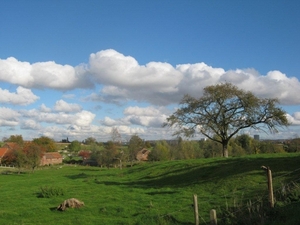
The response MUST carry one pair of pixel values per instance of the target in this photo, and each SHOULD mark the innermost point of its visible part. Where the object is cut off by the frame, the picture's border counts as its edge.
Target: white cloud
(294, 119)
(145, 117)
(30, 125)
(146, 111)
(162, 84)
(121, 78)
(8, 117)
(44, 108)
(81, 119)
(43, 75)
(125, 79)
(22, 96)
(62, 106)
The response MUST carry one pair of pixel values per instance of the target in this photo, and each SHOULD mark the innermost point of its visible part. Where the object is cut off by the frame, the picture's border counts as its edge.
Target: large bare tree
(223, 111)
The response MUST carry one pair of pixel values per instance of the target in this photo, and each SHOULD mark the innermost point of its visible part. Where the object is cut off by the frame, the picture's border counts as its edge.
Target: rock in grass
(70, 203)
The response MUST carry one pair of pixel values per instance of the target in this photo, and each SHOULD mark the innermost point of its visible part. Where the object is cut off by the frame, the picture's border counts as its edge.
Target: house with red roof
(6, 148)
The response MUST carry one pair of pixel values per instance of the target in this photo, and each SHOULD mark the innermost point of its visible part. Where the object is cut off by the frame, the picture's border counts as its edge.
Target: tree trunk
(225, 150)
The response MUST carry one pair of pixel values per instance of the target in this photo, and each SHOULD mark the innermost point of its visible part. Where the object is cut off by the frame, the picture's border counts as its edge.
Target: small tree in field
(33, 155)
(223, 111)
(74, 148)
(135, 144)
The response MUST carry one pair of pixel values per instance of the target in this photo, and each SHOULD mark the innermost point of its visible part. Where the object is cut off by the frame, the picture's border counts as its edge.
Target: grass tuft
(49, 192)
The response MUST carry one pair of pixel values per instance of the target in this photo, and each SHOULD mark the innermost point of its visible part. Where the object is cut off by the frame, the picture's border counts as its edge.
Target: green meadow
(150, 193)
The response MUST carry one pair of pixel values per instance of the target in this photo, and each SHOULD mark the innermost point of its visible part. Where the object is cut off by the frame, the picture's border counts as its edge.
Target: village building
(51, 158)
(6, 148)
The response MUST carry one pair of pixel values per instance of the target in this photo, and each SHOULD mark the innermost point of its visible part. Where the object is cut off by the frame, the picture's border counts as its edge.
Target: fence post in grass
(213, 217)
(270, 185)
(196, 210)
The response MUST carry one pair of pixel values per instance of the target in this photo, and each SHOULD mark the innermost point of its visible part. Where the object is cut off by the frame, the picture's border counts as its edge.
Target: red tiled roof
(11, 145)
(3, 151)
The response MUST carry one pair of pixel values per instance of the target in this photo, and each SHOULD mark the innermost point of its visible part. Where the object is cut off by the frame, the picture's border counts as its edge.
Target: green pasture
(145, 194)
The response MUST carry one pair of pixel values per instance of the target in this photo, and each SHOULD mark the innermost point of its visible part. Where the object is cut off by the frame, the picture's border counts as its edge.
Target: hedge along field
(147, 193)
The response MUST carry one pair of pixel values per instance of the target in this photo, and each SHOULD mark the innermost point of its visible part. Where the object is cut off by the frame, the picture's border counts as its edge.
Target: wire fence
(245, 207)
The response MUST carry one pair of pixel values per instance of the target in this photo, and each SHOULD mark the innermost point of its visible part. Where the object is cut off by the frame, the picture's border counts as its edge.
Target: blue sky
(78, 68)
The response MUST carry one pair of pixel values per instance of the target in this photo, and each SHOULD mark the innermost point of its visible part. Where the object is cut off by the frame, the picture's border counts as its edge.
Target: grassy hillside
(147, 193)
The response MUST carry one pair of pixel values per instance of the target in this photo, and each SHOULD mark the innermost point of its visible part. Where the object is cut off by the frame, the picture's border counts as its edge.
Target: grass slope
(147, 193)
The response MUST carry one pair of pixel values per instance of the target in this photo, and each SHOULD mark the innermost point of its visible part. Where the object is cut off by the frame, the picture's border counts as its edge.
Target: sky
(78, 68)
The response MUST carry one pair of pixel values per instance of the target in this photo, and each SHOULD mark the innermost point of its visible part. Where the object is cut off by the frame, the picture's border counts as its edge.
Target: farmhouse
(7, 147)
(51, 158)
(142, 155)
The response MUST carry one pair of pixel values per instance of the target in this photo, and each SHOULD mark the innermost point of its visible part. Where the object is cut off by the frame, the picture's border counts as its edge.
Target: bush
(48, 192)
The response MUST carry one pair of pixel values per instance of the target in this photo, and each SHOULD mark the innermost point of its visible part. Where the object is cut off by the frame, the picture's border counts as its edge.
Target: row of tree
(28, 154)
(113, 153)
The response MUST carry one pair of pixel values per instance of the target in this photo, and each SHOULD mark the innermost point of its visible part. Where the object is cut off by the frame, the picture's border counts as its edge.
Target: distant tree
(245, 142)
(90, 141)
(160, 152)
(293, 145)
(210, 148)
(270, 147)
(20, 159)
(109, 154)
(189, 149)
(223, 111)
(147, 144)
(106, 156)
(16, 139)
(46, 144)
(74, 147)
(33, 154)
(236, 149)
(135, 144)
(116, 136)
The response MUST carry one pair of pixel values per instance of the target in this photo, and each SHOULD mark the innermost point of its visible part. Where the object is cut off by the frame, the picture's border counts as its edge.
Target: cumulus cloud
(82, 118)
(162, 84)
(121, 78)
(22, 96)
(294, 119)
(8, 117)
(44, 108)
(125, 79)
(43, 75)
(139, 116)
(63, 106)
(30, 125)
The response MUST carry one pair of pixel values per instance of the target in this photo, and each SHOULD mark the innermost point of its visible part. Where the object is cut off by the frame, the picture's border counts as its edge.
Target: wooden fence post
(196, 210)
(213, 217)
(270, 185)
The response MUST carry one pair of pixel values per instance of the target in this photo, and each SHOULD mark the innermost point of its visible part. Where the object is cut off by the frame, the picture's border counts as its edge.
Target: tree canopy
(46, 144)
(135, 144)
(75, 146)
(16, 139)
(223, 111)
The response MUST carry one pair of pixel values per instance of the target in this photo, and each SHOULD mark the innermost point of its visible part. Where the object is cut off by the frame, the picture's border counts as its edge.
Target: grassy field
(145, 194)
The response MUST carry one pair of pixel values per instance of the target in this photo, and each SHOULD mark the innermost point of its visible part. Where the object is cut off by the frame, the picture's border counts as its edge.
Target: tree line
(114, 153)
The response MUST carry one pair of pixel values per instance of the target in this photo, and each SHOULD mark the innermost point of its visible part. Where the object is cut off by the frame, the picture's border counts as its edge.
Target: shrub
(48, 192)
